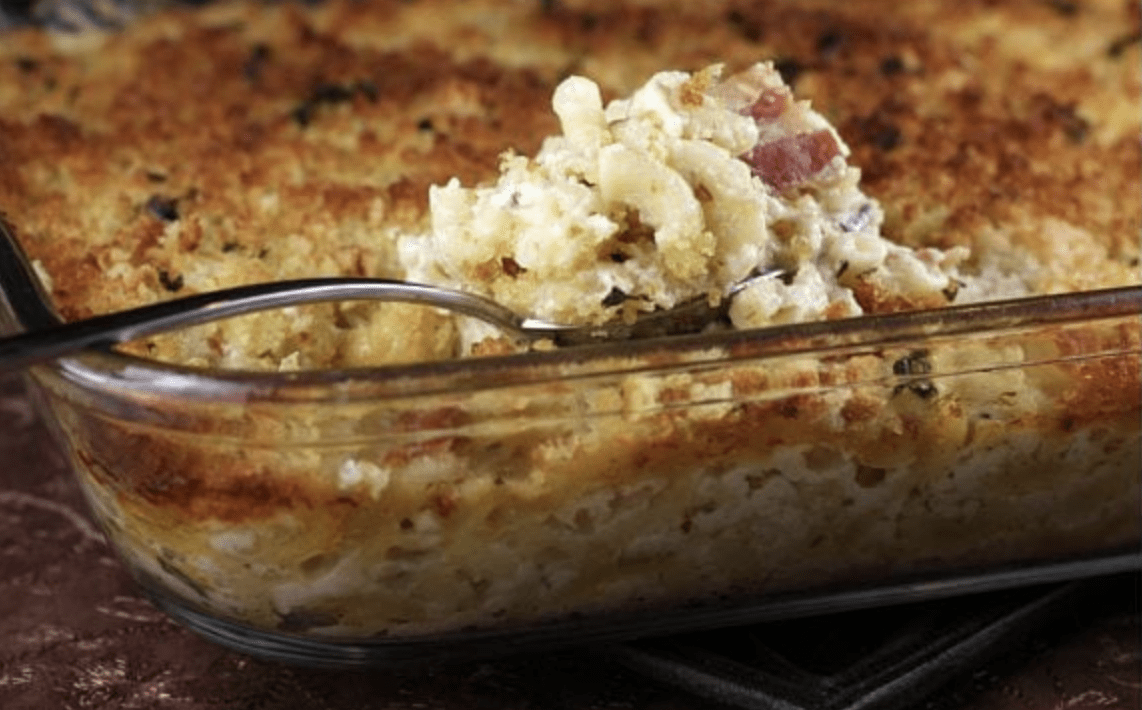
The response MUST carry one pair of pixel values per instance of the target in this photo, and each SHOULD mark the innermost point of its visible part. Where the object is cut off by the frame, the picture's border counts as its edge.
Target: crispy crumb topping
(298, 141)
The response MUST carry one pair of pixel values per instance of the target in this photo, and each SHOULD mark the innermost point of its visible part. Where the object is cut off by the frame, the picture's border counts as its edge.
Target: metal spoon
(18, 284)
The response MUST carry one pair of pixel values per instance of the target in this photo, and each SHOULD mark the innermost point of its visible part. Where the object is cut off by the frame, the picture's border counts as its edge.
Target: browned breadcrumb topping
(273, 142)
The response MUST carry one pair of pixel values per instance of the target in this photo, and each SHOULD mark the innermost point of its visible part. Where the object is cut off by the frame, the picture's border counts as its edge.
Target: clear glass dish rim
(115, 372)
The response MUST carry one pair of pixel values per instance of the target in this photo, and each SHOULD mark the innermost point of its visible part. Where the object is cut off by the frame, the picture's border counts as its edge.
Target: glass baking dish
(482, 506)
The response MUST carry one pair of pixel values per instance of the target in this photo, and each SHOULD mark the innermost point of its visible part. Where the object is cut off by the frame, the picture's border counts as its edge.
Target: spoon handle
(24, 349)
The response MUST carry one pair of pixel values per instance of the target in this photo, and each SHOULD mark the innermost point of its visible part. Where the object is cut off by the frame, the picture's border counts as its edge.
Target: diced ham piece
(790, 161)
(781, 162)
(769, 105)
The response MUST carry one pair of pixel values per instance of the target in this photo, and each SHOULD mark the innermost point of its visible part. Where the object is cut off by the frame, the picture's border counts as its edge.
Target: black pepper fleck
(891, 65)
(789, 69)
(1077, 130)
(1065, 116)
(1066, 8)
(424, 124)
(829, 43)
(328, 94)
(615, 297)
(164, 208)
(877, 129)
(369, 90)
(1120, 45)
(259, 56)
(174, 285)
(749, 29)
(914, 363)
(302, 115)
(886, 137)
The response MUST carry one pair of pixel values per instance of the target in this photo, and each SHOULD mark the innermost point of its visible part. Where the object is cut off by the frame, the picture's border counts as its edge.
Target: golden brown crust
(1009, 128)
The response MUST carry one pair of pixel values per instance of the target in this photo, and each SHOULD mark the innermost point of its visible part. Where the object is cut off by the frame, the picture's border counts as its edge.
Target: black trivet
(880, 659)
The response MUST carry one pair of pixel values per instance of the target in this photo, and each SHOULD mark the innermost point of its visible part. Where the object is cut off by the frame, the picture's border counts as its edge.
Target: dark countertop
(79, 635)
